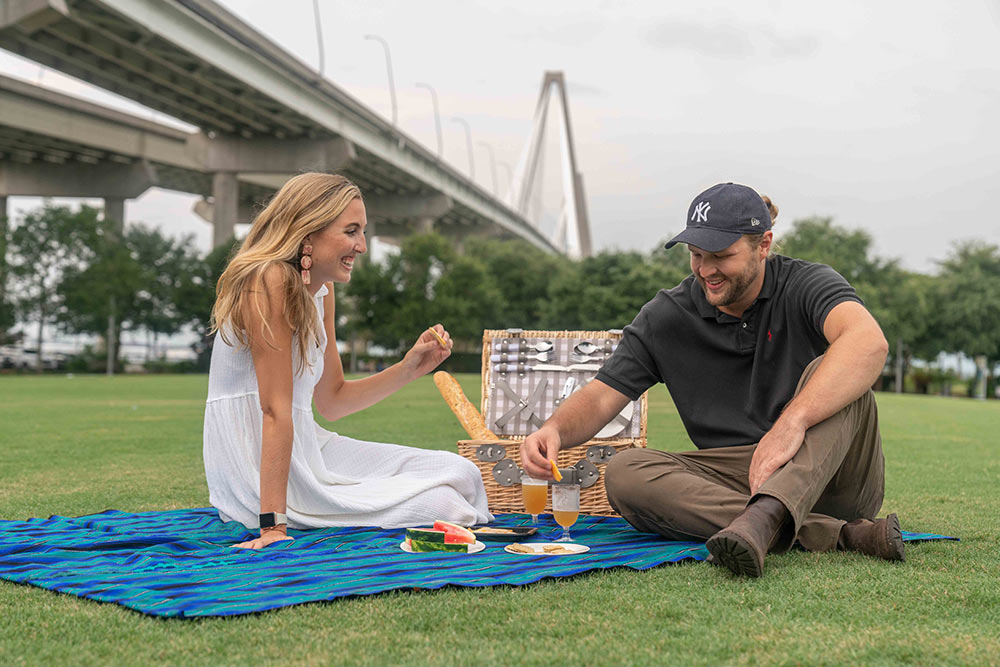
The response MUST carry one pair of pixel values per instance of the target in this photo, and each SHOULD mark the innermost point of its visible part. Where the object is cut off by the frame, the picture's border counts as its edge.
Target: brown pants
(836, 476)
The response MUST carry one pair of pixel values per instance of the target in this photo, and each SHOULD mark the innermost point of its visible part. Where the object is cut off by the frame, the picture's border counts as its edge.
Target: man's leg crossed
(681, 495)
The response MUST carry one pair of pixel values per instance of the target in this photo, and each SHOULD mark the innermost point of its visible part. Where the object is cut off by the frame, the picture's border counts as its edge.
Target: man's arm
(849, 368)
(576, 421)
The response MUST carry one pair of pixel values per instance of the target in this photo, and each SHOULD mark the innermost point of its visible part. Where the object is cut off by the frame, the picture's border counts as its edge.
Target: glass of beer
(565, 507)
(535, 492)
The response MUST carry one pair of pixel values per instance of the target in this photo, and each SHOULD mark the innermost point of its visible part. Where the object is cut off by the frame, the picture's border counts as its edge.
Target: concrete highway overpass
(261, 116)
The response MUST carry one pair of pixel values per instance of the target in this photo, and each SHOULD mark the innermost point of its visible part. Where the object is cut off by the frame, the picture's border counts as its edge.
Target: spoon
(541, 346)
(585, 347)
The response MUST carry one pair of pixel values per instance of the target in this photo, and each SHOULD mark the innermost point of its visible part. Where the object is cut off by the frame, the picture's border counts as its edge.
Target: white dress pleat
(333, 480)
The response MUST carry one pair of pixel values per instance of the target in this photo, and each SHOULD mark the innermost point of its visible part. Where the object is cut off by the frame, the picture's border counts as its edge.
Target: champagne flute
(535, 493)
(565, 507)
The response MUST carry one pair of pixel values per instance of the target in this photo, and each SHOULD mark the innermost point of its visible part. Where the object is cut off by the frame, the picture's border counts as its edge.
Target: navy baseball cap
(719, 216)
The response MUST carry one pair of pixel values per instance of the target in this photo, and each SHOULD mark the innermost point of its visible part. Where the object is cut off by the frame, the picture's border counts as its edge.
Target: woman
(267, 462)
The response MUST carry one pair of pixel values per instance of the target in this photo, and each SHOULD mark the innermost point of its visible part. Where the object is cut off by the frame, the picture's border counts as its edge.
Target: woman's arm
(272, 361)
(336, 397)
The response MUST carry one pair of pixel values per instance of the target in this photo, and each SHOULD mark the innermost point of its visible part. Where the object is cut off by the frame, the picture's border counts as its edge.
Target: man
(769, 361)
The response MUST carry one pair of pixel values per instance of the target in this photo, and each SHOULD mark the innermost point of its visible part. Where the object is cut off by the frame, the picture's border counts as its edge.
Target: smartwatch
(272, 519)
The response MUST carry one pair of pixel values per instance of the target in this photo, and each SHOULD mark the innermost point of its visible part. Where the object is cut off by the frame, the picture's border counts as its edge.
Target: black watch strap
(272, 519)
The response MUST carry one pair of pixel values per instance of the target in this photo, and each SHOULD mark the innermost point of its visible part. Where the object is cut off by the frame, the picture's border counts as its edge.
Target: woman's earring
(306, 262)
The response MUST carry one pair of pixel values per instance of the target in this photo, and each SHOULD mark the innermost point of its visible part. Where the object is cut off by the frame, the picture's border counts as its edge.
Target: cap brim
(706, 238)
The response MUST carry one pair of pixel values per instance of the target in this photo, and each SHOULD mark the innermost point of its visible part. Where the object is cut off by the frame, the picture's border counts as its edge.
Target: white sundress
(333, 480)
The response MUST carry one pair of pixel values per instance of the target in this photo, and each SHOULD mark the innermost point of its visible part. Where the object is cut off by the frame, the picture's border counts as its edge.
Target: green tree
(606, 291)
(969, 280)
(370, 301)
(522, 274)
(467, 300)
(44, 245)
(194, 295)
(168, 266)
(390, 303)
(849, 252)
(7, 315)
(896, 298)
(103, 289)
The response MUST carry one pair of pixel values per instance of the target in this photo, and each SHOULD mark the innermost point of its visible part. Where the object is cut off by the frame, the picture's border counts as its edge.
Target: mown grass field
(80, 445)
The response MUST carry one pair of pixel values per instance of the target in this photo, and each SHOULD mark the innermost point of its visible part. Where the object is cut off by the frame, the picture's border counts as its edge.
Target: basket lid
(528, 374)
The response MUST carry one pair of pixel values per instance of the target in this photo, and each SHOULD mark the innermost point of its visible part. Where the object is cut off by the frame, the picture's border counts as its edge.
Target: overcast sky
(882, 115)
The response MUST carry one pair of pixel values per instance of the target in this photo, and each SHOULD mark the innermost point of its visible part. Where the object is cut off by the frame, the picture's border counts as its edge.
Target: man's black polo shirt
(729, 378)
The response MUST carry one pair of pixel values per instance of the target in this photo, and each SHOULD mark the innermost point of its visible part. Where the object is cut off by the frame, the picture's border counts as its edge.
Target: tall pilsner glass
(565, 507)
(535, 493)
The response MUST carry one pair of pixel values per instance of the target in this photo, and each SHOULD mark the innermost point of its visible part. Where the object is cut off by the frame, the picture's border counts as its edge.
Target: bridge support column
(423, 225)
(225, 192)
(114, 210)
(3, 250)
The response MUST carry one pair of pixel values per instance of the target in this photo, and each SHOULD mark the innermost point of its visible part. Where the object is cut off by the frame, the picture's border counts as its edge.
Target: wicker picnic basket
(526, 374)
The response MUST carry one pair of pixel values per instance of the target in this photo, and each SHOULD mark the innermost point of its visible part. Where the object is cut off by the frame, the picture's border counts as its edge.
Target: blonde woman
(268, 463)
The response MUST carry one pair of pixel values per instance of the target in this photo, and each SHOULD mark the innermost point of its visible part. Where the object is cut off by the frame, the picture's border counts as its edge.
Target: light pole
(493, 166)
(468, 142)
(388, 69)
(437, 117)
(319, 37)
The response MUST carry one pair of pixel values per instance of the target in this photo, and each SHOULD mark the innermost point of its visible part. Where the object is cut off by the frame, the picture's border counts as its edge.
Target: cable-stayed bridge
(260, 115)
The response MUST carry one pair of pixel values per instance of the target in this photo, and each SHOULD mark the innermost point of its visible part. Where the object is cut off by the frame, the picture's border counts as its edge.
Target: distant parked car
(27, 359)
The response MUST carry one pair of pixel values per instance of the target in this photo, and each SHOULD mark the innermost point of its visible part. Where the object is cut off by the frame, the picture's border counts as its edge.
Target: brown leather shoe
(881, 538)
(742, 545)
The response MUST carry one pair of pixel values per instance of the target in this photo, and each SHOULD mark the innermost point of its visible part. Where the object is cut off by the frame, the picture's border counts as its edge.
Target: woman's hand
(427, 353)
(266, 538)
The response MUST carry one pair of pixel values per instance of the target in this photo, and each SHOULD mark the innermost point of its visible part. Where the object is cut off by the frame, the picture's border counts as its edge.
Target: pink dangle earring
(306, 261)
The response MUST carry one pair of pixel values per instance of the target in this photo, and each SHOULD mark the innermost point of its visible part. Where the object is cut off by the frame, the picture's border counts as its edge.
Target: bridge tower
(572, 232)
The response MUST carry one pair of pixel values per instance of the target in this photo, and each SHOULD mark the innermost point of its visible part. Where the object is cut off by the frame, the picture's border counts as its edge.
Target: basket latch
(506, 473)
(587, 473)
(600, 453)
(490, 452)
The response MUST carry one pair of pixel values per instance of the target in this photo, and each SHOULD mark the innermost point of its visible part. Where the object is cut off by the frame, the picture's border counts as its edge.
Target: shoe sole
(894, 538)
(732, 551)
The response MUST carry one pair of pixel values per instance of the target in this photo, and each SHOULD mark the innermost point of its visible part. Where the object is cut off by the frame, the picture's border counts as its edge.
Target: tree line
(69, 269)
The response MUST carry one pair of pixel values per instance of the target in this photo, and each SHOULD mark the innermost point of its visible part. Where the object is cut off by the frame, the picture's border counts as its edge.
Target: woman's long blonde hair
(304, 205)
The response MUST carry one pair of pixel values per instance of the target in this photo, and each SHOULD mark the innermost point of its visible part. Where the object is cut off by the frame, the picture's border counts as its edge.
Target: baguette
(468, 415)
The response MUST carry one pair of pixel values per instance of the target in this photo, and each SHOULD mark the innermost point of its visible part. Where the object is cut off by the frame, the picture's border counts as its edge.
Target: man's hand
(537, 449)
(774, 450)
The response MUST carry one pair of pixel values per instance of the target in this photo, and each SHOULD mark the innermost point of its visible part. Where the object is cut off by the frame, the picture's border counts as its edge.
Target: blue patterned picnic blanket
(180, 563)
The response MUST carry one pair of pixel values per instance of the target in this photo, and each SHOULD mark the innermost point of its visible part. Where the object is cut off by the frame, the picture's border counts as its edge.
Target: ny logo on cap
(701, 212)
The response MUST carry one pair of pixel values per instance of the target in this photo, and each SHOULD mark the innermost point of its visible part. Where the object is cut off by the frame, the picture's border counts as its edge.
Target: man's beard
(736, 287)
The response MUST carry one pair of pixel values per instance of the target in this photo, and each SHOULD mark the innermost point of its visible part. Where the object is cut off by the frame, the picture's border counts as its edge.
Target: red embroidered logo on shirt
(769, 335)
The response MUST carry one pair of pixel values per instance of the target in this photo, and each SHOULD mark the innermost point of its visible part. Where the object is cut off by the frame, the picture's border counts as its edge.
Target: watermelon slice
(426, 535)
(455, 534)
(418, 546)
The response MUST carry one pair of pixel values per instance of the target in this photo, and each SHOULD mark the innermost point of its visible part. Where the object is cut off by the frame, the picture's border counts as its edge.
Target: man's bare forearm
(585, 413)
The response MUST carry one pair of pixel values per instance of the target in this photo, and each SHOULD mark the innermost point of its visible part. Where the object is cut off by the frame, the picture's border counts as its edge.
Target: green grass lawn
(79, 445)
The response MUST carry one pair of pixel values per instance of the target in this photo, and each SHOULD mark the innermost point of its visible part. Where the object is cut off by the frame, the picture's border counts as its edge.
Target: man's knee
(621, 474)
(630, 473)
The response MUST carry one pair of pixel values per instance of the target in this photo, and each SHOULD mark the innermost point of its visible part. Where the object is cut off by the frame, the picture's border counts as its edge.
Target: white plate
(539, 548)
(474, 549)
(616, 426)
